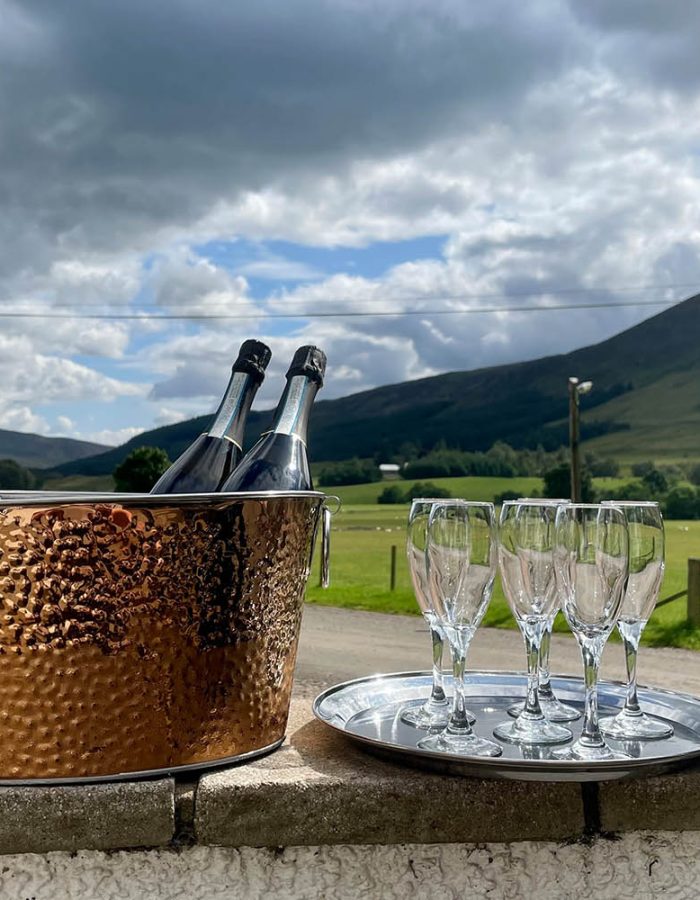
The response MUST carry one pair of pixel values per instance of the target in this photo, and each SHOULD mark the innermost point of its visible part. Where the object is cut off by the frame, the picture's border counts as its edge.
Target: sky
(437, 162)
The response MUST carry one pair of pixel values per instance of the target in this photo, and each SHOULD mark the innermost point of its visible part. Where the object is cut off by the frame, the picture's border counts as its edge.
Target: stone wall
(636, 866)
(321, 818)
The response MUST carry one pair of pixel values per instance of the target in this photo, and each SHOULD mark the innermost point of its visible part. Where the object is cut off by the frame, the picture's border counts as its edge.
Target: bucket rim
(13, 499)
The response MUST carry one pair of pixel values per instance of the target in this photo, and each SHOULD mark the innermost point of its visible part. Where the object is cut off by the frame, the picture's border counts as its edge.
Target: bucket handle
(326, 516)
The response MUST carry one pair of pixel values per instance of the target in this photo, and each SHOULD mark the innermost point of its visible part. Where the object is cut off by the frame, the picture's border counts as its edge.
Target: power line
(496, 295)
(196, 317)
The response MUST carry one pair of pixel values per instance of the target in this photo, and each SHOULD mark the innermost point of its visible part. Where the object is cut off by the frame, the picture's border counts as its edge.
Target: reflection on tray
(369, 710)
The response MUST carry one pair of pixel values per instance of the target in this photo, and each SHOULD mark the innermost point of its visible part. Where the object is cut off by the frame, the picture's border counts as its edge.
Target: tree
(14, 477)
(499, 499)
(640, 469)
(682, 502)
(392, 494)
(694, 474)
(632, 490)
(655, 481)
(408, 451)
(601, 466)
(426, 489)
(557, 483)
(349, 471)
(141, 469)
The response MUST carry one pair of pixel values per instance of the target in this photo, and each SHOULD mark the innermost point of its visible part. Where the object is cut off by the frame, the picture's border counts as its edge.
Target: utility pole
(576, 388)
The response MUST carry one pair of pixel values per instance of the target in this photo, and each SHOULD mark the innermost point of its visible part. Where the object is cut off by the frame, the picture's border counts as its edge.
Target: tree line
(676, 487)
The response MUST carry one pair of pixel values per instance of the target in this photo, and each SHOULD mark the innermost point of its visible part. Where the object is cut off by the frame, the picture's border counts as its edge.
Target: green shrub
(655, 482)
(633, 490)
(682, 502)
(557, 483)
(14, 477)
(601, 466)
(392, 494)
(506, 495)
(141, 469)
(349, 471)
(426, 489)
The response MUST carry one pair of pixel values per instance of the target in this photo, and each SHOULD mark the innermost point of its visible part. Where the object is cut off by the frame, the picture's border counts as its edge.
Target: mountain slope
(172, 438)
(35, 450)
(645, 403)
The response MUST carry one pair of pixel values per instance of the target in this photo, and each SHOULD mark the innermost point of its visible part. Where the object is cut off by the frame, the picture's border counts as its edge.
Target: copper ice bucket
(141, 633)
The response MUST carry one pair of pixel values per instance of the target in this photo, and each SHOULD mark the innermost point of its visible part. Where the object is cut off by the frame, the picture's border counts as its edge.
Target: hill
(172, 438)
(36, 450)
(645, 404)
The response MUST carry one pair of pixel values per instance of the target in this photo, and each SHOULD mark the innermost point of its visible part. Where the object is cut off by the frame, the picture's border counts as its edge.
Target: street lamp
(576, 388)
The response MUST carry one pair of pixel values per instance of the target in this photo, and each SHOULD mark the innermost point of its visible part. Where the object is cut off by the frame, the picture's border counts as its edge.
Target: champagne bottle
(278, 462)
(209, 460)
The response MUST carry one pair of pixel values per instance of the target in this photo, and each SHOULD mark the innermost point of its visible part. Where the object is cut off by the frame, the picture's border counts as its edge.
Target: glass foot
(589, 753)
(633, 749)
(554, 710)
(532, 731)
(430, 716)
(464, 744)
(536, 751)
(626, 727)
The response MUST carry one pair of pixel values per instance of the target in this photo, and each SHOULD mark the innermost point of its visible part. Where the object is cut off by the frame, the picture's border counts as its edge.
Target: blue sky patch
(274, 264)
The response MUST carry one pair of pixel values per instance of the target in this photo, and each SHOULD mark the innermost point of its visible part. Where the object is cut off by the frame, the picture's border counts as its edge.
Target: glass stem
(631, 632)
(438, 692)
(591, 651)
(459, 721)
(545, 688)
(532, 632)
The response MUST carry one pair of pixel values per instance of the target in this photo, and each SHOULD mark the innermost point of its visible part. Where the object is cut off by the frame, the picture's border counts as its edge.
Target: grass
(364, 532)
(471, 488)
(664, 418)
(97, 483)
(360, 568)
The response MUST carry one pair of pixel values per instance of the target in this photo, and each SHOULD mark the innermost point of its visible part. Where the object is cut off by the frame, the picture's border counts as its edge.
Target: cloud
(21, 418)
(65, 424)
(218, 101)
(30, 378)
(554, 143)
(110, 437)
(181, 280)
(272, 267)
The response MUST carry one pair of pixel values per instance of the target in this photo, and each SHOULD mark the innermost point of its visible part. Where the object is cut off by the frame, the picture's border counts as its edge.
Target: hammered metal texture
(139, 636)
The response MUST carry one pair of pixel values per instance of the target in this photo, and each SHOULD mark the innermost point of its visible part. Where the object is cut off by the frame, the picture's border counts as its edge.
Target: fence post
(392, 577)
(694, 591)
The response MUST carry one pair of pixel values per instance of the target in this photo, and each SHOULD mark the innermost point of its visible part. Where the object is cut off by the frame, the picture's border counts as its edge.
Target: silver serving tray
(367, 710)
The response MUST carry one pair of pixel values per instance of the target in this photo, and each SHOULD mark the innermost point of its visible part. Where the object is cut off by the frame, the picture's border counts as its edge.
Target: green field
(469, 487)
(361, 544)
(364, 532)
(79, 483)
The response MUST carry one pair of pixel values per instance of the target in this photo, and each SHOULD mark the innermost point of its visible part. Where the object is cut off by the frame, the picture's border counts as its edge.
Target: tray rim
(492, 765)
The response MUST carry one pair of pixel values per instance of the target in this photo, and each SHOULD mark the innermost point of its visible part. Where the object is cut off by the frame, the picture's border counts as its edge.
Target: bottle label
(231, 404)
(294, 404)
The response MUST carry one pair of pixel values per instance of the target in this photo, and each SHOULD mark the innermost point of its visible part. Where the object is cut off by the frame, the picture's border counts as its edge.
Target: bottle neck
(233, 410)
(292, 413)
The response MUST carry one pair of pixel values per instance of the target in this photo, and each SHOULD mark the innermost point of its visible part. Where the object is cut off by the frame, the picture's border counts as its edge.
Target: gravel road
(339, 644)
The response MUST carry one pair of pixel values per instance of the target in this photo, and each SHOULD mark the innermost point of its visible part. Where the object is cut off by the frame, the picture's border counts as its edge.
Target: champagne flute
(592, 564)
(434, 713)
(526, 553)
(554, 710)
(646, 550)
(461, 559)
